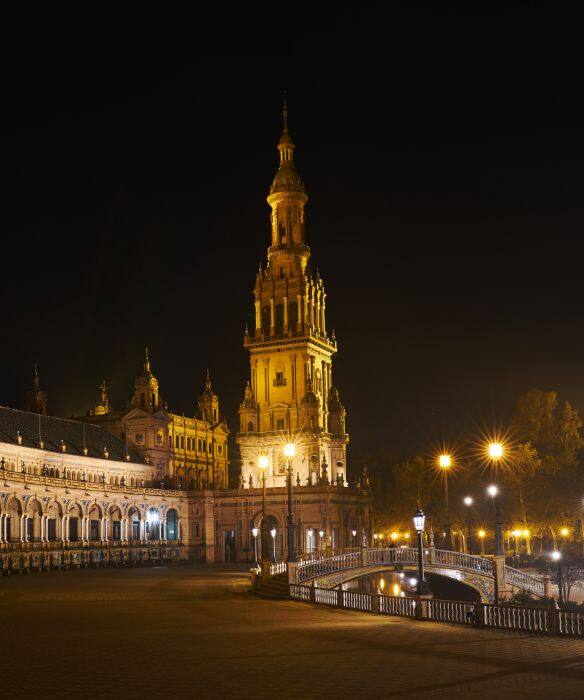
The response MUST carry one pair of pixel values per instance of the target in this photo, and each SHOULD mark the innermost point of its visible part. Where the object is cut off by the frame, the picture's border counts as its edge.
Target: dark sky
(445, 216)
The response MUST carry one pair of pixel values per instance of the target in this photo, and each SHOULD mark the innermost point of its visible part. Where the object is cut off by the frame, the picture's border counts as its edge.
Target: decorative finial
(285, 113)
(36, 380)
(208, 381)
(146, 361)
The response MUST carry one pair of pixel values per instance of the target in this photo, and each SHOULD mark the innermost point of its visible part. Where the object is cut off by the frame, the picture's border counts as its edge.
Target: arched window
(292, 315)
(172, 525)
(266, 320)
(279, 321)
(182, 442)
(250, 427)
(204, 445)
(200, 445)
(176, 442)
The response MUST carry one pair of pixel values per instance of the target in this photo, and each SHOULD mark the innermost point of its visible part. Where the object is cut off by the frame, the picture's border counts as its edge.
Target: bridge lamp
(263, 462)
(394, 536)
(396, 589)
(493, 491)
(482, 534)
(556, 557)
(382, 583)
(564, 532)
(321, 536)
(413, 582)
(468, 501)
(419, 521)
(354, 533)
(445, 462)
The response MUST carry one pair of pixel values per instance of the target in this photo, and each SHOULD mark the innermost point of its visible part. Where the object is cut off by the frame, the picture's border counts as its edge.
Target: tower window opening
(282, 233)
(280, 424)
(250, 427)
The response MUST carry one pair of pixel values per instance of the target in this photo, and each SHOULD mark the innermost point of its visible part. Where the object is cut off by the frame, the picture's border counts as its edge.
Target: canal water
(403, 583)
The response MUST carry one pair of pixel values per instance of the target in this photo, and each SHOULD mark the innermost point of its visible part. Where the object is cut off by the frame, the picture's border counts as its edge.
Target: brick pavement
(195, 632)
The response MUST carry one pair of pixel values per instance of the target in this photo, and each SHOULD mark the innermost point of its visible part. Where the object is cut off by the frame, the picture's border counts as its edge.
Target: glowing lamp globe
(444, 461)
(273, 532)
(556, 556)
(289, 449)
(492, 490)
(495, 450)
(263, 461)
(254, 531)
(468, 501)
(419, 520)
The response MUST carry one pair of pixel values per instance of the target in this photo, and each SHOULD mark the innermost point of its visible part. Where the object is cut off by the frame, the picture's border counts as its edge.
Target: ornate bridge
(480, 573)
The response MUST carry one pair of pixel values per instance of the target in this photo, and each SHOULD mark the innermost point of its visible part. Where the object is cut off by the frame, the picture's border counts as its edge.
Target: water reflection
(403, 583)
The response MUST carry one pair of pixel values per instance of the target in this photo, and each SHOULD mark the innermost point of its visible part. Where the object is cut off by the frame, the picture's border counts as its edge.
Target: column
(258, 318)
(5, 528)
(23, 528)
(178, 528)
(42, 528)
(142, 529)
(322, 314)
(272, 317)
(317, 310)
(285, 300)
(163, 529)
(64, 533)
(299, 317)
(2, 516)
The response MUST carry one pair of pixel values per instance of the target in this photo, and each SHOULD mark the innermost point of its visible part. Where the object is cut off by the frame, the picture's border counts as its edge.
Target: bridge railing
(521, 618)
(321, 567)
(527, 582)
(278, 567)
(458, 560)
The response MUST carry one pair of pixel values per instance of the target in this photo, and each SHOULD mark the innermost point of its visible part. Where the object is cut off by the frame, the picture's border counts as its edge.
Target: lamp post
(468, 501)
(320, 535)
(254, 532)
(482, 535)
(419, 519)
(445, 462)
(354, 533)
(557, 557)
(273, 534)
(310, 533)
(263, 463)
(289, 452)
(493, 492)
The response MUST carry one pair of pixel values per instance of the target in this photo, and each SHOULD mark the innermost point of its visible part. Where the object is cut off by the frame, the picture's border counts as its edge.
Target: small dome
(287, 179)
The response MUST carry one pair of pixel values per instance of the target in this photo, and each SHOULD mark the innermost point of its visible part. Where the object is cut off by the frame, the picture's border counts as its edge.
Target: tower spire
(146, 361)
(208, 380)
(36, 382)
(285, 113)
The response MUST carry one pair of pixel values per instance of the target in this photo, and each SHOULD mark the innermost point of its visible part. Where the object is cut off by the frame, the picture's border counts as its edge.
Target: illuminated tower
(290, 390)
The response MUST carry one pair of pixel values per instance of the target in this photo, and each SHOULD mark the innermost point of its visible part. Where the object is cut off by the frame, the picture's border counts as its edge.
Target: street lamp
(419, 520)
(557, 557)
(354, 533)
(482, 534)
(254, 532)
(310, 533)
(493, 491)
(445, 462)
(273, 534)
(468, 501)
(263, 463)
(320, 535)
(289, 452)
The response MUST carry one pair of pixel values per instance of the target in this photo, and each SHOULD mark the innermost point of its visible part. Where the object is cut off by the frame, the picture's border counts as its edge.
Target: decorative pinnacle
(35, 379)
(208, 381)
(146, 361)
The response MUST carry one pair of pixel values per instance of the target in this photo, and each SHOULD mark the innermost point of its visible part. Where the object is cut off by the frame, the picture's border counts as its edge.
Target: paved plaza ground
(195, 632)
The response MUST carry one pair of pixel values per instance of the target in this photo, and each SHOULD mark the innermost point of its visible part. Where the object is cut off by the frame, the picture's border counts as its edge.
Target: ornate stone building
(71, 494)
(291, 391)
(187, 451)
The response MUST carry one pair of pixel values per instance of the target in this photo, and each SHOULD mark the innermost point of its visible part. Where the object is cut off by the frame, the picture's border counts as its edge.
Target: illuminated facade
(290, 390)
(190, 451)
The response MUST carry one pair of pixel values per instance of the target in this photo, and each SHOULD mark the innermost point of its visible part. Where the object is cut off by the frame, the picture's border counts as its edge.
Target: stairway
(276, 587)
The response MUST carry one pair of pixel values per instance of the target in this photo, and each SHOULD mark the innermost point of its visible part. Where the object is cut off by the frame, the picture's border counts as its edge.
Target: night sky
(445, 216)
